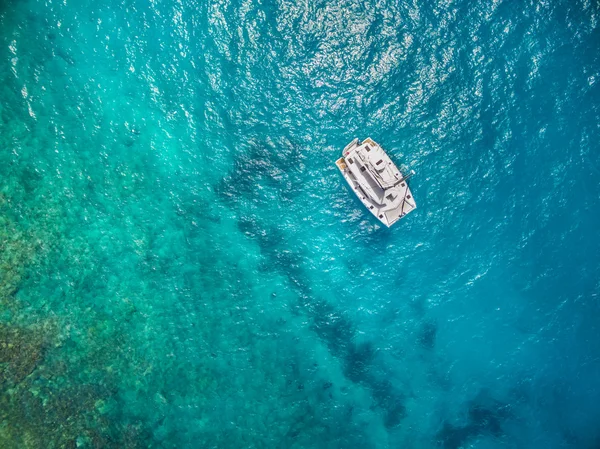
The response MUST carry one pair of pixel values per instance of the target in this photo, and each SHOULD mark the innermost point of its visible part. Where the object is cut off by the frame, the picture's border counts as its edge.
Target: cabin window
(350, 160)
(408, 196)
(363, 168)
(381, 216)
(403, 185)
(367, 148)
(379, 162)
(390, 197)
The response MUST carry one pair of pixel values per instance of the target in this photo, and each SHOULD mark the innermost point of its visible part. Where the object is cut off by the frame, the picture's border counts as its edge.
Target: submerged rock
(21, 350)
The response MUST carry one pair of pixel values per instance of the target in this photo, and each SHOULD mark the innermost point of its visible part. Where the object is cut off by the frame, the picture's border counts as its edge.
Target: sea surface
(182, 265)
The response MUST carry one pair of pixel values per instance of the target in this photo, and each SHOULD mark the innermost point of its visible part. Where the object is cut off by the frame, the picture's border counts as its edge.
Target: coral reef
(21, 350)
(56, 379)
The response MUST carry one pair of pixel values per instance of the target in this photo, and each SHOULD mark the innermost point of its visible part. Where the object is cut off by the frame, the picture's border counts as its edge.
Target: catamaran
(376, 181)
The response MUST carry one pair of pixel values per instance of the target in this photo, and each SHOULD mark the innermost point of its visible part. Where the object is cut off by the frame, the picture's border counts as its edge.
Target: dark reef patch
(358, 360)
(427, 335)
(485, 416)
(390, 401)
(264, 164)
(16, 252)
(21, 350)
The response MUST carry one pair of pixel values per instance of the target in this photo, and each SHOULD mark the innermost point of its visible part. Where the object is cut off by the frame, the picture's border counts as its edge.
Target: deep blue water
(182, 266)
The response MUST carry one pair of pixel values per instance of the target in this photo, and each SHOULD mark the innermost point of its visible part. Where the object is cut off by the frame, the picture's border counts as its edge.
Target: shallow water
(183, 266)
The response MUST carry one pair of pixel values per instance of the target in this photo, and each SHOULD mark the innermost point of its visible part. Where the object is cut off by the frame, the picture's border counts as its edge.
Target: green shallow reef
(45, 400)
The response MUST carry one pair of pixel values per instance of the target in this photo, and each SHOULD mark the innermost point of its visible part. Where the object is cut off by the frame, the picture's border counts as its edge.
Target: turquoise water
(182, 266)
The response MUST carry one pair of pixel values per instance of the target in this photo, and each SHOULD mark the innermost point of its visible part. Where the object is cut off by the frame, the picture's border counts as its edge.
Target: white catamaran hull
(376, 181)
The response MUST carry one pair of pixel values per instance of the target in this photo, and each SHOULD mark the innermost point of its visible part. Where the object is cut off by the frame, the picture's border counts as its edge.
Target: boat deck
(376, 181)
(341, 163)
